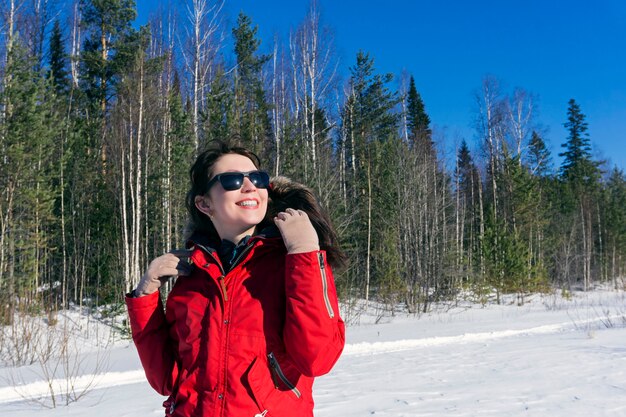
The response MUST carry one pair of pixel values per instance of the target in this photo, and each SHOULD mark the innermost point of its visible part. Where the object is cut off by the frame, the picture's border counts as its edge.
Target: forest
(100, 120)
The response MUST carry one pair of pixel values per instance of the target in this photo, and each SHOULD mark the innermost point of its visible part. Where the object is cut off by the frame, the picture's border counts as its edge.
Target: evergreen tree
(28, 175)
(506, 259)
(252, 120)
(578, 167)
(370, 123)
(369, 113)
(249, 65)
(58, 60)
(218, 117)
(469, 206)
(539, 159)
(580, 176)
(417, 120)
(108, 28)
(466, 169)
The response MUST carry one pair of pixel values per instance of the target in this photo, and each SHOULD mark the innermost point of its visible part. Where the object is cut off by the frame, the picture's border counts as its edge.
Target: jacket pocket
(278, 375)
(277, 398)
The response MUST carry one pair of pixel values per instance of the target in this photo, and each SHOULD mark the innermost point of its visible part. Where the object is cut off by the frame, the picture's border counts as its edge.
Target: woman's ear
(203, 205)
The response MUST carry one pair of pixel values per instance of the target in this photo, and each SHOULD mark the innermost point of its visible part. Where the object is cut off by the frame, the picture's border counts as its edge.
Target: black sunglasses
(232, 181)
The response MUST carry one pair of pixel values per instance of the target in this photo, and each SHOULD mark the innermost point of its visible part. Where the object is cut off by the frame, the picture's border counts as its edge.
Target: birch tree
(491, 130)
(315, 66)
(519, 113)
(205, 40)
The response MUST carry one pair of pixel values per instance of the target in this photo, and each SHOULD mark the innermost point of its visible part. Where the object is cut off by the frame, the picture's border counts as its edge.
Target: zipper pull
(261, 414)
(321, 258)
(223, 286)
(273, 369)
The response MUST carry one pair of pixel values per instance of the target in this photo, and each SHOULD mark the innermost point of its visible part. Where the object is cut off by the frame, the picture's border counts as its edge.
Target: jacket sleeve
(314, 334)
(154, 345)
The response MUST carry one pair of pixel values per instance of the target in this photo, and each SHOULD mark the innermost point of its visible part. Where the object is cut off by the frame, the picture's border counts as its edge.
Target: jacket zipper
(222, 279)
(279, 372)
(331, 313)
(223, 287)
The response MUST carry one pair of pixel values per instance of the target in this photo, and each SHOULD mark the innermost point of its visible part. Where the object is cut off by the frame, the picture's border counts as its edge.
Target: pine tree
(368, 113)
(108, 27)
(417, 120)
(580, 176)
(539, 159)
(506, 259)
(427, 187)
(251, 107)
(469, 206)
(578, 167)
(58, 60)
(218, 116)
(28, 175)
(370, 123)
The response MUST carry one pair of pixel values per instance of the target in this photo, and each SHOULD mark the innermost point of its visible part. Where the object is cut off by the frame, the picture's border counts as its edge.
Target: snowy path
(366, 348)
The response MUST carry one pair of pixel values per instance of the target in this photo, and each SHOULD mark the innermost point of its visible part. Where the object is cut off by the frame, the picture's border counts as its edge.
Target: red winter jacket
(242, 343)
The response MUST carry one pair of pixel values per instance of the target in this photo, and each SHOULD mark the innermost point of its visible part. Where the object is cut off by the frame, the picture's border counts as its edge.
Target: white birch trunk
(125, 238)
(204, 20)
(275, 110)
(137, 209)
(369, 233)
(75, 36)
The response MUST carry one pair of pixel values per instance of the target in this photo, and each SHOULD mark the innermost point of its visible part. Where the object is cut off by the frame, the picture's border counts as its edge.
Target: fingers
(290, 213)
(169, 265)
(297, 231)
(183, 266)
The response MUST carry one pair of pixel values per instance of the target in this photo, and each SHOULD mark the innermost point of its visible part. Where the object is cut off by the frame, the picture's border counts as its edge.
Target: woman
(253, 316)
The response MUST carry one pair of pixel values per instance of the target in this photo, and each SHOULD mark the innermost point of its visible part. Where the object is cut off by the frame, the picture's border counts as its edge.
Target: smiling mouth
(248, 203)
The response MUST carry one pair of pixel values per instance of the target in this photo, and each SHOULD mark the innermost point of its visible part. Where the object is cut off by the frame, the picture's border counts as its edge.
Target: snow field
(550, 357)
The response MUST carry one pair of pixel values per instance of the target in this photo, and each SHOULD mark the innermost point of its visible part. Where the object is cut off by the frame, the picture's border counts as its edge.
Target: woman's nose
(247, 185)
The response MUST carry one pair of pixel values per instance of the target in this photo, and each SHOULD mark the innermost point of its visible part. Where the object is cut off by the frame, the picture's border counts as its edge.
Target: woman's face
(236, 213)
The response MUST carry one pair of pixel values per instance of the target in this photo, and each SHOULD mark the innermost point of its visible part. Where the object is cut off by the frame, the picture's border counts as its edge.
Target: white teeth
(248, 203)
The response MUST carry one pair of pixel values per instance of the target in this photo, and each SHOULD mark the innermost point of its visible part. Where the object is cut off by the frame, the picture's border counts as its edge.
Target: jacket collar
(211, 245)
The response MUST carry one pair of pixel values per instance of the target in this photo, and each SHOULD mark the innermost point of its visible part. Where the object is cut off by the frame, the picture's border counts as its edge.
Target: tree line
(100, 120)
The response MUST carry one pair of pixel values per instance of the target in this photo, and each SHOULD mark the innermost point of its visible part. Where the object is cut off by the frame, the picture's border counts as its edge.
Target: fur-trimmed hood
(285, 193)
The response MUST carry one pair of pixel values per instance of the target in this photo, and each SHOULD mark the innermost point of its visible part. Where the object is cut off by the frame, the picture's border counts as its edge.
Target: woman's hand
(160, 269)
(297, 231)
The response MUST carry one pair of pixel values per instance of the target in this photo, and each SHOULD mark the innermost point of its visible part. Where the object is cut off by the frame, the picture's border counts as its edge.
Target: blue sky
(555, 50)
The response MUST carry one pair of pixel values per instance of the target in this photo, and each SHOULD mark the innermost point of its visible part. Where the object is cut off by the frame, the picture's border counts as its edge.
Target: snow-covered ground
(550, 357)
